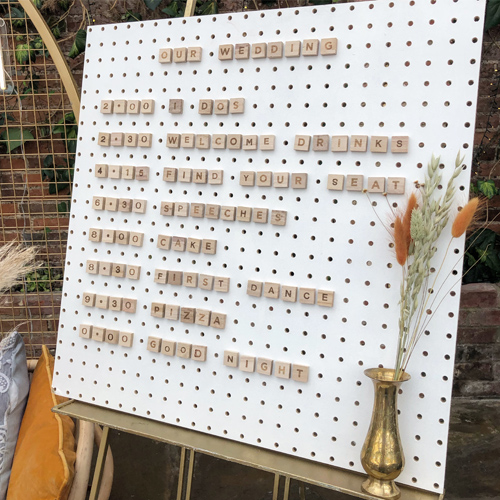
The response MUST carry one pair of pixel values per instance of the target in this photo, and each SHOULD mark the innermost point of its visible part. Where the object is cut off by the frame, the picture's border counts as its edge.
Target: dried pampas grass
(464, 218)
(15, 262)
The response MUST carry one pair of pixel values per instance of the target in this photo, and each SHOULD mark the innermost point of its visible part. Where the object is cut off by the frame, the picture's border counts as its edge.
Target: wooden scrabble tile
(328, 46)
(136, 239)
(88, 299)
(202, 141)
(101, 170)
(92, 267)
(107, 106)
(114, 171)
(215, 177)
(300, 373)
(172, 312)
(130, 139)
(281, 179)
(165, 55)
(128, 172)
(194, 54)
(118, 270)
(183, 350)
(198, 210)
(168, 347)
(302, 143)
(242, 51)
(299, 181)
(111, 336)
(120, 106)
(161, 276)
(209, 246)
(190, 280)
(179, 243)
(142, 173)
(157, 310)
(176, 106)
(325, 298)
(206, 107)
(167, 208)
(275, 50)
(218, 320)
(86, 331)
(200, 175)
(202, 317)
(193, 245)
(310, 47)
(95, 235)
(206, 282)
(234, 141)
(180, 55)
(226, 52)
(133, 107)
(125, 205)
(154, 344)
(164, 242)
(115, 303)
(271, 290)
(340, 143)
(289, 293)
(133, 272)
(260, 215)
(231, 359)
(244, 214)
(354, 183)
(98, 202)
(264, 366)
(219, 141)
(282, 369)
(122, 237)
(105, 268)
(181, 209)
(335, 182)
(254, 288)
(399, 144)
(278, 217)
(376, 184)
(396, 185)
(199, 353)
(237, 105)
(221, 106)
(378, 144)
(247, 363)
(266, 142)
(359, 143)
(170, 174)
(173, 141)
(188, 141)
(139, 206)
(187, 314)
(102, 301)
(250, 142)
(307, 295)
(98, 333)
(221, 284)
(111, 204)
(259, 50)
(292, 48)
(212, 211)
(126, 339)
(228, 213)
(264, 179)
(320, 142)
(144, 140)
(129, 306)
(108, 236)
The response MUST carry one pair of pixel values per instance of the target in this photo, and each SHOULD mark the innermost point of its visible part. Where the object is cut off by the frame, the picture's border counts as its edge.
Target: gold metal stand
(191, 442)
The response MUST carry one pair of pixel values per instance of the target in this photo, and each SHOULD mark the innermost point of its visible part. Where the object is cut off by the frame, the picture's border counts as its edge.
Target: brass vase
(382, 454)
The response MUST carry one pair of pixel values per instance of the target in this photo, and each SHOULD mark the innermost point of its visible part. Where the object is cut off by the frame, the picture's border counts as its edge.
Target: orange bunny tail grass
(412, 203)
(400, 241)
(464, 218)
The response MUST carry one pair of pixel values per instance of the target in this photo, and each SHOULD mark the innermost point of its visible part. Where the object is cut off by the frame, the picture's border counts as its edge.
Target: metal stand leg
(99, 466)
(276, 486)
(286, 493)
(302, 490)
(185, 494)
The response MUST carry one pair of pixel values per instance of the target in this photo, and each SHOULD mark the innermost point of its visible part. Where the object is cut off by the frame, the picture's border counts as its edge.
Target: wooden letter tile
(199, 352)
(180, 55)
(321, 142)
(328, 46)
(164, 242)
(92, 267)
(254, 288)
(86, 331)
(118, 270)
(181, 209)
(275, 50)
(244, 214)
(115, 303)
(292, 48)
(161, 276)
(219, 141)
(247, 363)
(170, 174)
(202, 317)
(228, 213)
(111, 336)
(281, 179)
(299, 181)
(340, 143)
(206, 107)
(173, 141)
(95, 234)
(237, 105)
(200, 176)
(325, 298)
(187, 314)
(242, 51)
(172, 312)
(139, 206)
(264, 179)
(188, 141)
(136, 239)
(335, 182)
(179, 244)
(129, 306)
(104, 139)
(133, 107)
(190, 280)
(282, 369)
(218, 320)
(226, 52)
(266, 142)
(359, 143)
(98, 333)
(221, 284)
(212, 211)
(126, 339)
(194, 54)
(215, 177)
(310, 47)
(231, 359)
(396, 185)
(125, 205)
(165, 55)
(259, 50)
(260, 215)
(221, 106)
(194, 245)
(271, 290)
(98, 202)
(354, 183)
(302, 143)
(112, 204)
(176, 106)
(300, 373)
(264, 366)
(157, 310)
(88, 299)
(376, 184)
(133, 272)
(108, 236)
(198, 210)
(128, 173)
(167, 208)
(141, 173)
(130, 140)
(289, 293)
(167, 347)
(307, 295)
(206, 282)
(175, 278)
(203, 141)
(120, 106)
(399, 144)
(278, 217)
(144, 140)
(154, 344)
(209, 246)
(122, 237)
(101, 170)
(183, 350)
(107, 106)
(105, 268)
(378, 144)
(234, 141)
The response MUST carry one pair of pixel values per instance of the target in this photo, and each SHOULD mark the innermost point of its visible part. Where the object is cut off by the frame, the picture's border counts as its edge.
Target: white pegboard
(402, 69)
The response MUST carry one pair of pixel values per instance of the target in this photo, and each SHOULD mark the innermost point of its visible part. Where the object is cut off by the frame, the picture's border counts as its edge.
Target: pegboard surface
(145, 211)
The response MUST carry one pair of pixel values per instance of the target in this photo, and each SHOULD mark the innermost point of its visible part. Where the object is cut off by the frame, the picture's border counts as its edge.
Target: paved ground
(147, 470)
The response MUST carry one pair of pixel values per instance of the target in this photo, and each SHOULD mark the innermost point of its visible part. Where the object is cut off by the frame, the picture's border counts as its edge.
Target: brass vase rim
(386, 375)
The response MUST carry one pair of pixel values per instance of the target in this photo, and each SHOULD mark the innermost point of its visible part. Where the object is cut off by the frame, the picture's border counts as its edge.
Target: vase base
(381, 488)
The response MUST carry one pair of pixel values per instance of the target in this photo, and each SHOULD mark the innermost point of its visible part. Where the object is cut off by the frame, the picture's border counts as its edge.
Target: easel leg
(99, 466)
(180, 481)
(287, 488)
(302, 490)
(276, 486)
(190, 475)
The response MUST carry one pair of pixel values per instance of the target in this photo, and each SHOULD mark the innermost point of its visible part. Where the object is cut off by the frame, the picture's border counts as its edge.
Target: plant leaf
(152, 4)
(15, 137)
(22, 53)
(492, 14)
(37, 3)
(79, 44)
(487, 188)
(208, 8)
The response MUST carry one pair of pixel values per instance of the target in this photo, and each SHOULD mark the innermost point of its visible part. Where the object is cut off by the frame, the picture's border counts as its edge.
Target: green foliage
(203, 8)
(44, 279)
(23, 53)
(130, 17)
(486, 188)
(492, 14)
(37, 3)
(17, 17)
(68, 128)
(152, 4)
(207, 8)
(482, 257)
(79, 44)
(175, 9)
(12, 138)
(59, 177)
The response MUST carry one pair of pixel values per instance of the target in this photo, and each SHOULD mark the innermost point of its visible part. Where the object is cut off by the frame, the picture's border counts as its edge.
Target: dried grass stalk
(400, 241)
(412, 204)
(15, 262)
